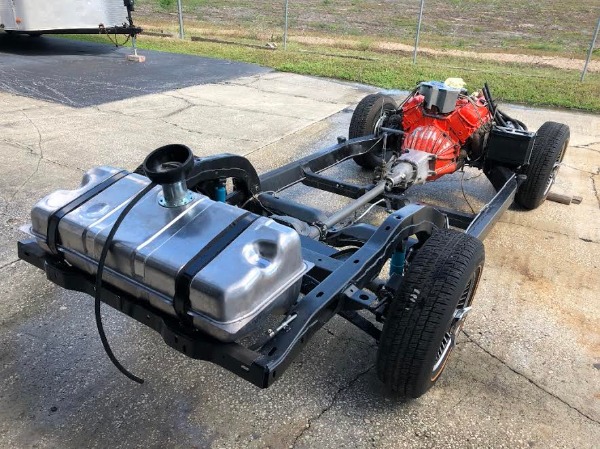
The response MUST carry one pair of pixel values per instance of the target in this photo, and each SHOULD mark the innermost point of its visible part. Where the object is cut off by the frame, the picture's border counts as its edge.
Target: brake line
(98, 292)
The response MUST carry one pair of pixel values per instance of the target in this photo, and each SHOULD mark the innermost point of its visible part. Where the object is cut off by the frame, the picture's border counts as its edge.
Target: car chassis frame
(332, 286)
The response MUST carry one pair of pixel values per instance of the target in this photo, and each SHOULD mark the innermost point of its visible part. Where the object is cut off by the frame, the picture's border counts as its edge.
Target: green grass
(554, 27)
(546, 46)
(516, 83)
(171, 5)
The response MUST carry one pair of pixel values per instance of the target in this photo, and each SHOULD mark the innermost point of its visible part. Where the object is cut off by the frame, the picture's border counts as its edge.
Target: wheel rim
(555, 168)
(379, 122)
(463, 308)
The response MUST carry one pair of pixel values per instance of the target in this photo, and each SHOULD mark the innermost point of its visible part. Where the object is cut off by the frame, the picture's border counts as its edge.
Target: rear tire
(364, 120)
(548, 152)
(428, 312)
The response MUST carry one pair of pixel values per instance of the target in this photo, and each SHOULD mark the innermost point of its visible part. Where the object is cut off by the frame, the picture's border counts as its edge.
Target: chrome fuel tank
(259, 272)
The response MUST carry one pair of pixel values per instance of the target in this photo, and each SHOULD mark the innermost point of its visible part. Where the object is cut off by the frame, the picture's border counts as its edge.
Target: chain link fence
(548, 28)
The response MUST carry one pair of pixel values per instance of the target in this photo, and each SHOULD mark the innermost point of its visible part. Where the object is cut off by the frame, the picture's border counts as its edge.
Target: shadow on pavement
(24, 45)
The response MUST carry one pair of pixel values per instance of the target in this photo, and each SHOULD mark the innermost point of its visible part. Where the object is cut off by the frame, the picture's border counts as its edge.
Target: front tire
(364, 120)
(428, 312)
(548, 152)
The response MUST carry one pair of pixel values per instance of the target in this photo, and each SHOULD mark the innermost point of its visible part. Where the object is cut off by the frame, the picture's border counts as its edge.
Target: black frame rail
(331, 287)
(339, 289)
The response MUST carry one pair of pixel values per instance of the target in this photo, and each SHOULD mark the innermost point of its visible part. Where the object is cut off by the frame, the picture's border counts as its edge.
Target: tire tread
(361, 125)
(546, 150)
(413, 330)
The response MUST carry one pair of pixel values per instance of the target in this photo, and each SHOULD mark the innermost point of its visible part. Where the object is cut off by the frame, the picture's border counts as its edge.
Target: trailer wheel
(428, 312)
(548, 152)
(364, 121)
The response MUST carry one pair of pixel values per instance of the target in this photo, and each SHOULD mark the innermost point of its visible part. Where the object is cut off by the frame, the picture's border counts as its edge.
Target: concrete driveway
(525, 374)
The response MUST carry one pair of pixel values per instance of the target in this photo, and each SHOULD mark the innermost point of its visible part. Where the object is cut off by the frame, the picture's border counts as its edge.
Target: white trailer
(37, 17)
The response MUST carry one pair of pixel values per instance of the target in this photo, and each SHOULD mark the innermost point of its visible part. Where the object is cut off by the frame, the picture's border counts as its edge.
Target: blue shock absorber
(398, 258)
(220, 191)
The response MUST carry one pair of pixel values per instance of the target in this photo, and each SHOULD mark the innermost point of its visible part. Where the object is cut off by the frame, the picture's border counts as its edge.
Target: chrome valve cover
(258, 273)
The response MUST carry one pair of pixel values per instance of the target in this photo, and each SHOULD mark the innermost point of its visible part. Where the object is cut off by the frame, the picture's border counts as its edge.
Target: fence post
(285, 26)
(590, 51)
(180, 11)
(418, 32)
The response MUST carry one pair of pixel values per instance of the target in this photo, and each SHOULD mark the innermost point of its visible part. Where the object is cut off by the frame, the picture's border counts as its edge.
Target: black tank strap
(183, 280)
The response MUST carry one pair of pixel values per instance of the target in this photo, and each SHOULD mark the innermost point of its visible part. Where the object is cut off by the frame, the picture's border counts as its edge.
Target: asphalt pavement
(82, 74)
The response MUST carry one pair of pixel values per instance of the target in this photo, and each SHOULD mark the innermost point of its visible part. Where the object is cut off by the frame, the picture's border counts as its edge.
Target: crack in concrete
(551, 232)
(221, 107)
(30, 150)
(291, 133)
(177, 111)
(179, 97)
(531, 381)
(18, 144)
(578, 169)
(8, 264)
(275, 92)
(587, 146)
(349, 339)
(37, 166)
(41, 158)
(202, 133)
(583, 239)
(203, 103)
(206, 103)
(52, 161)
(163, 119)
(331, 403)
(537, 229)
(594, 188)
(188, 105)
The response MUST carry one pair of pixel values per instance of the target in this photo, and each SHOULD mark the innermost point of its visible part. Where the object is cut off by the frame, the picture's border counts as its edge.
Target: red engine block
(442, 135)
